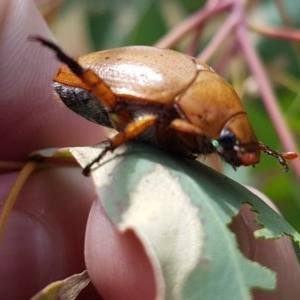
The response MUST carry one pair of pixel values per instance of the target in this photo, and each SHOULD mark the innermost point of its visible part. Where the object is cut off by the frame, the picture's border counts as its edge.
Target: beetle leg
(97, 86)
(130, 132)
(191, 135)
(185, 127)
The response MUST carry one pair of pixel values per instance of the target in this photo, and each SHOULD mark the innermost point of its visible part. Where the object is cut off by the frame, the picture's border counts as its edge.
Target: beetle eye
(227, 139)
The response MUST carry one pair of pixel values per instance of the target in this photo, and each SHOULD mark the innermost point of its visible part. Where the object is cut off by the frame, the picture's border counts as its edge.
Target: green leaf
(50, 153)
(180, 210)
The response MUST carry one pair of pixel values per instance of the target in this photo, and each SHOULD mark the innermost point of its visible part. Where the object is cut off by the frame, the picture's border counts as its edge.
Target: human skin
(44, 239)
(47, 237)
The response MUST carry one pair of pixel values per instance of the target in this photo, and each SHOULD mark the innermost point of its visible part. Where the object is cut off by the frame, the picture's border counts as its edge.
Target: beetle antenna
(281, 156)
(70, 62)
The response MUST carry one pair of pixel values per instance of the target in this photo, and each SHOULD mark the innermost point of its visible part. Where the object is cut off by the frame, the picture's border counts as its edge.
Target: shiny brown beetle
(163, 97)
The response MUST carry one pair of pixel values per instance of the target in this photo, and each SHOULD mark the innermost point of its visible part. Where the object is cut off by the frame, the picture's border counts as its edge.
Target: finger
(44, 237)
(30, 117)
(117, 263)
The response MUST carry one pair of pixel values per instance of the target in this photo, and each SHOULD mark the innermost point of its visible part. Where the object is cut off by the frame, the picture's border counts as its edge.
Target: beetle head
(234, 152)
(237, 142)
(238, 145)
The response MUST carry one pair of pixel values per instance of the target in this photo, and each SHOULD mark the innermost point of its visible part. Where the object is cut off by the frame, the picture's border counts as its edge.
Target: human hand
(45, 236)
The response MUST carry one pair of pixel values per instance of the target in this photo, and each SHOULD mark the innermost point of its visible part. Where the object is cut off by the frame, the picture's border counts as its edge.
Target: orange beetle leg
(97, 86)
(185, 127)
(281, 157)
(132, 130)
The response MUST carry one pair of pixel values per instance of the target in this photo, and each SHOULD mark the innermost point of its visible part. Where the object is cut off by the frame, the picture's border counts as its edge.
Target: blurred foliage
(115, 22)
(111, 23)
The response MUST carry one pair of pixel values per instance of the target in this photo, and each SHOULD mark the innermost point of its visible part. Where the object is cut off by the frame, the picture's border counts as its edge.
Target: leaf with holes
(180, 210)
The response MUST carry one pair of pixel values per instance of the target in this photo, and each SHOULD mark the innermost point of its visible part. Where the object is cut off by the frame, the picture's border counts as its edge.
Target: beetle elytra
(163, 97)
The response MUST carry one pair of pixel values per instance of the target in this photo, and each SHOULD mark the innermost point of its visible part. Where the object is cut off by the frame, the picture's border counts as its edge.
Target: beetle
(160, 96)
